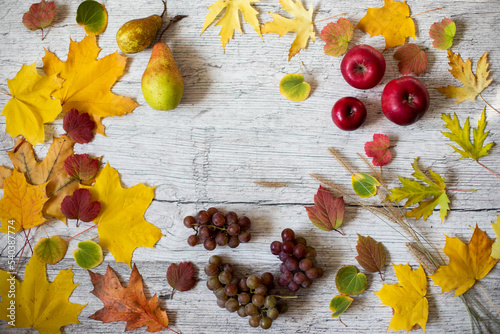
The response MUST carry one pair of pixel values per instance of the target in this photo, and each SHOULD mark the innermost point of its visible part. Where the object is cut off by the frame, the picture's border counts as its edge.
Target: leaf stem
(331, 17)
(1, 91)
(91, 227)
(489, 105)
(21, 255)
(489, 170)
(381, 277)
(27, 240)
(427, 11)
(342, 233)
(480, 286)
(285, 297)
(170, 329)
(463, 190)
(342, 322)
(172, 294)
(439, 294)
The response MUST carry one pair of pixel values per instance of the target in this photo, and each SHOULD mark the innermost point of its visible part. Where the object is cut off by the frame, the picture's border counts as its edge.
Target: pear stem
(176, 18)
(164, 8)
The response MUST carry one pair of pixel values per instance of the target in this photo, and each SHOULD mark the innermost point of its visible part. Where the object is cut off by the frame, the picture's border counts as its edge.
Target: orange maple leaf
(21, 205)
(88, 81)
(127, 304)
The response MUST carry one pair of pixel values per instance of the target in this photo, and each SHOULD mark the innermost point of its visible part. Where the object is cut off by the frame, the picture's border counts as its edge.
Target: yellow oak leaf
(302, 24)
(31, 105)
(230, 21)
(473, 84)
(120, 223)
(35, 302)
(87, 81)
(407, 298)
(468, 263)
(392, 21)
(49, 171)
(21, 205)
(495, 249)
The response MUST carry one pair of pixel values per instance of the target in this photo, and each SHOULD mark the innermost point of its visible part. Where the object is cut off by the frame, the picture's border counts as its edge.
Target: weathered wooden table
(233, 127)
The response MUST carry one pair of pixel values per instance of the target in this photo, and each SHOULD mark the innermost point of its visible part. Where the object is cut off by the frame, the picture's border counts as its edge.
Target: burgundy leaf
(82, 166)
(80, 207)
(371, 254)
(40, 15)
(327, 213)
(79, 126)
(378, 149)
(411, 59)
(181, 276)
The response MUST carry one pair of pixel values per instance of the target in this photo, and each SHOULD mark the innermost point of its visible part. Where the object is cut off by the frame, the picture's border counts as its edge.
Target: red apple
(348, 113)
(363, 67)
(405, 100)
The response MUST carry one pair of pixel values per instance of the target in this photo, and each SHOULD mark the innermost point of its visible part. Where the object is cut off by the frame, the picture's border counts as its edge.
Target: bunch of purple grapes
(216, 228)
(298, 267)
(250, 296)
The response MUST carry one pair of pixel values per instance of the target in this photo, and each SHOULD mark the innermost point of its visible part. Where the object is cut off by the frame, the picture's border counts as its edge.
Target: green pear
(162, 84)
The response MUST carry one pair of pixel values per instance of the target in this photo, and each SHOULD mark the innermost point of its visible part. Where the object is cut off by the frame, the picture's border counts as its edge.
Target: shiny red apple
(405, 100)
(363, 67)
(348, 113)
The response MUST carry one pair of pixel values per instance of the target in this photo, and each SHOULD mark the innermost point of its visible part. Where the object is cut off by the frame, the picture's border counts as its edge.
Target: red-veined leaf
(378, 149)
(79, 126)
(371, 254)
(327, 213)
(80, 207)
(411, 59)
(337, 36)
(181, 276)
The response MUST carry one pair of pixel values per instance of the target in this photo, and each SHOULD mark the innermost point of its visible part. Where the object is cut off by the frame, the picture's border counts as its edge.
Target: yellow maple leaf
(31, 105)
(495, 248)
(407, 298)
(49, 171)
(473, 84)
(4, 173)
(302, 24)
(468, 263)
(230, 21)
(87, 81)
(21, 205)
(392, 21)
(37, 303)
(120, 223)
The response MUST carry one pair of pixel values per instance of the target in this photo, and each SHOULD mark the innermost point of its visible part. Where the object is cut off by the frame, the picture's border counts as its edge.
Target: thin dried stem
(439, 294)
(271, 184)
(21, 255)
(164, 8)
(489, 170)
(91, 227)
(341, 322)
(1, 91)
(27, 240)
(489, 105)
(329, 184)
(339, 159)
(328, 18)
(491, 302)
(427, 11)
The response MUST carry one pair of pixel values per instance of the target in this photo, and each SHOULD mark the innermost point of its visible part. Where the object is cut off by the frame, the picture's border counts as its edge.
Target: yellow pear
(162, 84)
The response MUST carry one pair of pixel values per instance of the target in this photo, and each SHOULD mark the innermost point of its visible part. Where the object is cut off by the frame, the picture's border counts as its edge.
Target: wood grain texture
(233, 127)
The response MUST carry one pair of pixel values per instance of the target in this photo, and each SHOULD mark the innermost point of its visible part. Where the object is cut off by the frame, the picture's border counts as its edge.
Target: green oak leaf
(339, 304)
(92, 16)
(50, 250)
(364, 185)
(88, 254)
(349, 281)
(293, 87)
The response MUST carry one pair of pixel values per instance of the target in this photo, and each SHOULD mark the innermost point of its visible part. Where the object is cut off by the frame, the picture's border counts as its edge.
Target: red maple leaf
(181, 277)
(80, 207)
(411, 59)
(378, 149)
(39, 16)
(79, 126)
(327, 213)
(81, 166)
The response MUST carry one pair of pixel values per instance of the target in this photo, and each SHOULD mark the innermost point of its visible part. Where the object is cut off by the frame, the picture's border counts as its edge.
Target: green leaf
(371, 254)
(88, 254)
(50, 250)
(339, 304)
(475, 149)
(337, 37)
(293, 87)
(414, 192)
(349, 281)
(92, 16)
(364, 185)
(443, 33)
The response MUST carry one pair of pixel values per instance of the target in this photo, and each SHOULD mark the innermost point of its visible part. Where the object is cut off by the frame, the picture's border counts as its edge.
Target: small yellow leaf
(393, 21)
(495, 249)
(31, 105)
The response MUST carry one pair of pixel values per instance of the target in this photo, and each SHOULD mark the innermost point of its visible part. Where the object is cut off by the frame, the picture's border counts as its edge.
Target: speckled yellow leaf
(39, 304)
(88, 81)
(468, 263)
(31, 105)
(21, 205)
(392, 21)
(120, 223)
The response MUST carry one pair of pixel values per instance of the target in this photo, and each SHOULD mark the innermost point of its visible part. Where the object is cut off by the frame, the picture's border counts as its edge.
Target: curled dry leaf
(79, 126)
(40, 15)
(411, 59)
(378, 149)
(181, 276)
(337, 37)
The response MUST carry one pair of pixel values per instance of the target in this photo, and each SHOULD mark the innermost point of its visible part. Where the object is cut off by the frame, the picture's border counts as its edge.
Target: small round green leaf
(92, 16)
(364, 185)
(88, 254)
(349, 281)
(293, 87)
(339, 304)
(50, 250)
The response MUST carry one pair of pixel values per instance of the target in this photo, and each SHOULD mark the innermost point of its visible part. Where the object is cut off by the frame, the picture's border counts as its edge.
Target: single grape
(219, 219)
(307, 283)
(288, 234)
(258, 299)
(215, 259)
(242, 285)
(281, 281)
(193, 240)
(209, 244)
(284, 256)
(221, 239)
(266, 322)
(233, 242)
(275, 247)
(244, 223)
(231, 289)
(212, 211)
(189, 221)
(221, 303)
(312, 273)
(244, 236)
(299, 251)
(231, 218)
(253, 281)
(320, 272)
(232, 305)
(213, 283)
(267, 279)
(233, 230)
(251, 309)
(204, 232)
(228, 267)
(254, 321)
(261, 289)
(244, 298)
(211, 269)
(293, 287)
(299, 277)
(270, 302)
(311, 252)
(283, 267)
(287, 247)
(287, 277)
(301, 241)
(234, 281)
(220, 294)
(305, 264)
(225, 277)
(273, 313)
(292, 263)
(241, 311)
(202, 217)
